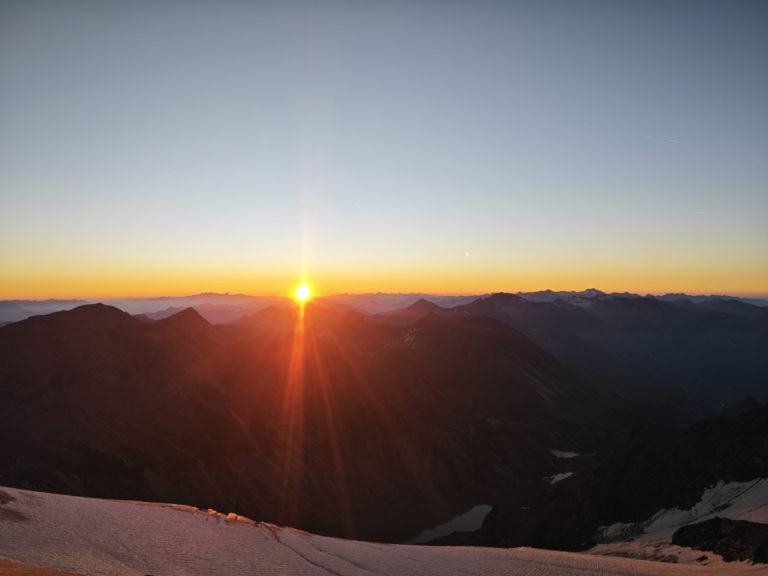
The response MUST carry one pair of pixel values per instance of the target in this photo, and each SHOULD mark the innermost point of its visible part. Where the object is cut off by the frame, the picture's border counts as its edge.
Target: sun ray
(292, 425)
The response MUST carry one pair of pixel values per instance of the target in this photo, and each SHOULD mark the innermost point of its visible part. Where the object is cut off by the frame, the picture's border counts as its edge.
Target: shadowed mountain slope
(695, 358)
(326, 421)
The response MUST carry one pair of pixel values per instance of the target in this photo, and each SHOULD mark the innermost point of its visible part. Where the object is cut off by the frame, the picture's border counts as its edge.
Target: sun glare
(302, 292)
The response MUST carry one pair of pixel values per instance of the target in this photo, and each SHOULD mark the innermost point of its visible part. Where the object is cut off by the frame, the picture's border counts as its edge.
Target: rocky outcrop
(734, 540)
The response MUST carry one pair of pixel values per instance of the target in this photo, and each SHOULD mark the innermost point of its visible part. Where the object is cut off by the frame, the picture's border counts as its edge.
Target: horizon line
(753, 295)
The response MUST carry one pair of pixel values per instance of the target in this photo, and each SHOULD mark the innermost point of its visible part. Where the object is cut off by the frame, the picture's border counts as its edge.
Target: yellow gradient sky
(169, 148)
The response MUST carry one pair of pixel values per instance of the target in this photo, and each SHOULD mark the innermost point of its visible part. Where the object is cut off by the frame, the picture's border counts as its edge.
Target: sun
(303, 292)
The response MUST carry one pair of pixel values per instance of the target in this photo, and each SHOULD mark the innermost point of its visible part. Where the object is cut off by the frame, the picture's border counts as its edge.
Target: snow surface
(661, 550)
(97, 537)
(757, 514)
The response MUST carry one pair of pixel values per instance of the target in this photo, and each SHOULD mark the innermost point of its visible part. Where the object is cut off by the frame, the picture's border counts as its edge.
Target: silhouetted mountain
(187, 320)
(423, 307)
(325, 421)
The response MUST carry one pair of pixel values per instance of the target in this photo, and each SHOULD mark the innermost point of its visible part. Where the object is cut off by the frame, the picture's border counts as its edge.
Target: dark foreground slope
(325, 421)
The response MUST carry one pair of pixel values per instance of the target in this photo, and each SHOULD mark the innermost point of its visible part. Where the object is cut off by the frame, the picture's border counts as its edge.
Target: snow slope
(90, 536)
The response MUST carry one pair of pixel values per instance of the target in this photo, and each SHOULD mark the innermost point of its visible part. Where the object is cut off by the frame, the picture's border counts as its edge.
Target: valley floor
(90, 536)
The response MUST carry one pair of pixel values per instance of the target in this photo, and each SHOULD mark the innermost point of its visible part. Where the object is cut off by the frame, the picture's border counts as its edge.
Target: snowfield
(90, 537)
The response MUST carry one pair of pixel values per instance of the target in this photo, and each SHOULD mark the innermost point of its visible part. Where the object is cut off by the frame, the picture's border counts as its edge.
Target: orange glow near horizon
(93, 285)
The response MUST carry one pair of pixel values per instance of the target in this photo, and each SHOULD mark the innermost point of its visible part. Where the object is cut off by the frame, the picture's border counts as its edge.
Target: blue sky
(439, 146)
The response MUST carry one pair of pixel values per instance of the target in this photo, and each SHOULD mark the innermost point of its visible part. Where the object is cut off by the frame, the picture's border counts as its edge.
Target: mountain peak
(423, 306)
(405, 316)
(188, 319)
(93, 313)
(500, 297)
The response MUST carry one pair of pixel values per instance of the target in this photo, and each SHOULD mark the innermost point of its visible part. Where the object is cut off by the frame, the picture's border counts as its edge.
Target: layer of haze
(175, 147)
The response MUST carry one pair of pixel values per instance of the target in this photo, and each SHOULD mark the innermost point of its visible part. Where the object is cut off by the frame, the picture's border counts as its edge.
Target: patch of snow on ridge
(562, 454)
(558, 477)
(728, 500)
(96, 537)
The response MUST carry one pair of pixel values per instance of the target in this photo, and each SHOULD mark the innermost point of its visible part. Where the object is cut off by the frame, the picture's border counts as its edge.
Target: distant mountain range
(381, 424)
(217, 308)
(591, 295)
(227, 308)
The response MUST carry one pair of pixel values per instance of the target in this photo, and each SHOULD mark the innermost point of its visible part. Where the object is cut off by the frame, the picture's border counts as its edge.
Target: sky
(177, 147)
